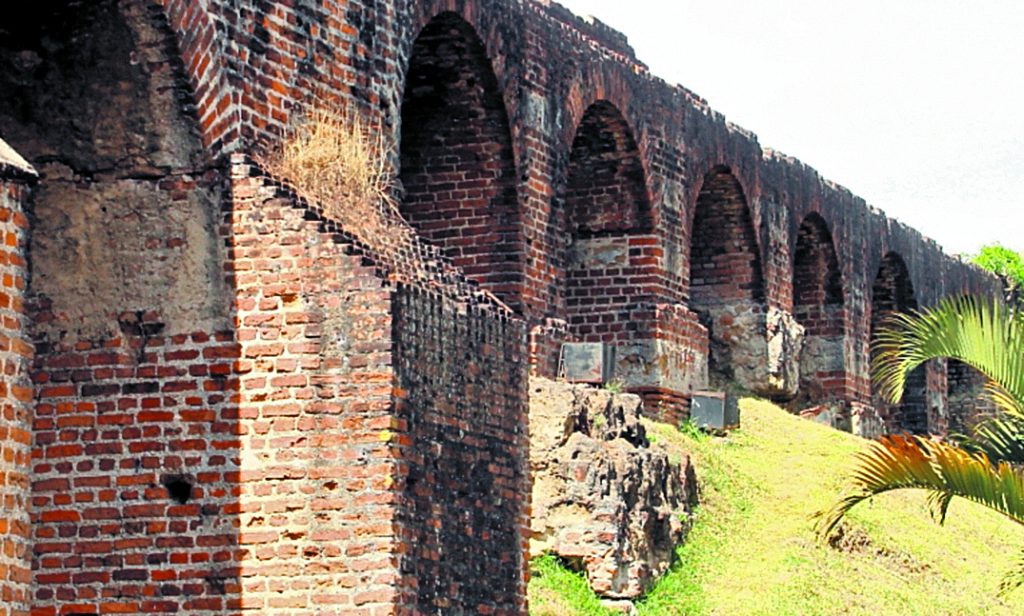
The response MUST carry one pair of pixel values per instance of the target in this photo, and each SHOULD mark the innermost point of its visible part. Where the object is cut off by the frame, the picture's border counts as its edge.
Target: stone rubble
(604, 499)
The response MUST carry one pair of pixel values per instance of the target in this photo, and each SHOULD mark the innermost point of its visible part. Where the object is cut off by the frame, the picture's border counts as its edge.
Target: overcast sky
(915, 105)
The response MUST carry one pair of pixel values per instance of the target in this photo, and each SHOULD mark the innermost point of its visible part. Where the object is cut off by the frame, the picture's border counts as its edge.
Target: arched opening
(726, 283)
(893, 293)
(607, 208)
(818, 306)
(457, 166)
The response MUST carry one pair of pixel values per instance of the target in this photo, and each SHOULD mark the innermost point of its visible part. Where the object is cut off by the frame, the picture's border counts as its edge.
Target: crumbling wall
(125, 216)
(135, 409)
(550, 68)
(604, 499)
(167, 369)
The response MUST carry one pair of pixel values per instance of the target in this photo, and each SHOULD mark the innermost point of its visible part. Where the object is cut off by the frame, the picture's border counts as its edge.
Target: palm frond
(999, 438)
(902, 461)
(984, 335)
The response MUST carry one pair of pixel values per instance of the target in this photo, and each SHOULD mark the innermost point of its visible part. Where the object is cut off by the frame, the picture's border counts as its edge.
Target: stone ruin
(603, 498)
(215, 399)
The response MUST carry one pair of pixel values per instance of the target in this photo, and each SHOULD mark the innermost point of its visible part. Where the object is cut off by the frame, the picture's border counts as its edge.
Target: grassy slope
(753, 550)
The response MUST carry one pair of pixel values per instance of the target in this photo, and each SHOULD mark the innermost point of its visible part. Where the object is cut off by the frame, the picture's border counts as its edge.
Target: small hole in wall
(179, 488)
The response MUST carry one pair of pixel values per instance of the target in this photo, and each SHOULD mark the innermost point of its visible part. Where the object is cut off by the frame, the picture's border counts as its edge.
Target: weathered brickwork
(460, 380)
(892, 293)
(965, 385)
(15, 391)
(318, 441)
(457, 171)
(818, 305)
(613, 257)
(240, 407)
(134, 472)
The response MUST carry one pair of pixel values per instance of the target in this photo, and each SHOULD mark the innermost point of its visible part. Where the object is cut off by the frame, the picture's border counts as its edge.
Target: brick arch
(726, 283)
(202, 55)
(608, 212)
(818, 305)
(725, 262)
(607, 186)
(817, 278)
(893, 292)
(457, 161)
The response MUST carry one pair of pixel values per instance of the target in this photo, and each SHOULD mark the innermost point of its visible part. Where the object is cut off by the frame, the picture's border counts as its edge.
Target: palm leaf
(986, 336)
(988, 470)
(902, 461)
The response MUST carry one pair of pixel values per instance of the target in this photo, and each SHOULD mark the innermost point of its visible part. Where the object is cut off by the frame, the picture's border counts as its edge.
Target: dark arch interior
(724, 260)
(606, 192)
(457, 165)
(817, 281)
(726, 283)
(818, 306)
(891, 293)
(606, 203)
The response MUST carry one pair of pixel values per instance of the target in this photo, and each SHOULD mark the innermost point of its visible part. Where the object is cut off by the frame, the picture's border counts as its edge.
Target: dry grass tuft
(333, 158)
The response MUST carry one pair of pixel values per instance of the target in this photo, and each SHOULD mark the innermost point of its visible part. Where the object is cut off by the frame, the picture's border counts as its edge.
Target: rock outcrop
(603, 498)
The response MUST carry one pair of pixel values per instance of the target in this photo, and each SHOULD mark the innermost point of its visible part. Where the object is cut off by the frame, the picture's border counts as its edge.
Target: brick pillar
(15, 389)
(317, 433)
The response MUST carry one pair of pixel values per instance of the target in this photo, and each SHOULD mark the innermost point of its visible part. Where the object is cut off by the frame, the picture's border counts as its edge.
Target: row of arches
(458, 174)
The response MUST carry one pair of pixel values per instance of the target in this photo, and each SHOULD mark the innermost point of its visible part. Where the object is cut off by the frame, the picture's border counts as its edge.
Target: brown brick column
(15, 388)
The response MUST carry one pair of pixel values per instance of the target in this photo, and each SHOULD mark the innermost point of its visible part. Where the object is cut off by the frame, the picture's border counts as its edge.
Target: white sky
(915, 105)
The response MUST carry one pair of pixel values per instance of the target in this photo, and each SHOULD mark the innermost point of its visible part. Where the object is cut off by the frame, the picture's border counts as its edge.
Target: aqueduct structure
(217, 399)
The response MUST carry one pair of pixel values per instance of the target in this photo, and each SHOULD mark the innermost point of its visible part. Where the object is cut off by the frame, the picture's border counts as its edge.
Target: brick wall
(318, 443)
(549, 67)
(457, 167)
(134, 468)
(213, 340)
(819, 307)
(135, 454)
(965, 404)
(893, 293)
(726, 279)
(613, 257)
(15, 398)
(461, 378)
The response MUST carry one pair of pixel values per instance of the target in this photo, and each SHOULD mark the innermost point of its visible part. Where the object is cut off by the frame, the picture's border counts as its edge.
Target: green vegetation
(753, 549)
(1006, 264)
(556, 591)
(989, 337)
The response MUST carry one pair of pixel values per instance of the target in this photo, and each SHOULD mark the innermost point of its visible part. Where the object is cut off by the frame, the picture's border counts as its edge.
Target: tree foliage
(1006, 264)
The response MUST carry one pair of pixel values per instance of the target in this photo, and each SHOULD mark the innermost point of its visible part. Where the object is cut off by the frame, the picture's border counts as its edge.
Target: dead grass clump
(334, 159)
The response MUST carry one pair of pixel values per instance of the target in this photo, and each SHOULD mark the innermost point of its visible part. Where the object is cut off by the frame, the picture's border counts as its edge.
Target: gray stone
(603, 497)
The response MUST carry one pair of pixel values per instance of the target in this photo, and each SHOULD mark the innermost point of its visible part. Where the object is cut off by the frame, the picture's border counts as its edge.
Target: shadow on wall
(135, 436)
(892, 293)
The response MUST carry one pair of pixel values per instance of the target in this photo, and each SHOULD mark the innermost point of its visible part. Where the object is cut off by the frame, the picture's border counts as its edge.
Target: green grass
(555, 591)
(752, 549)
